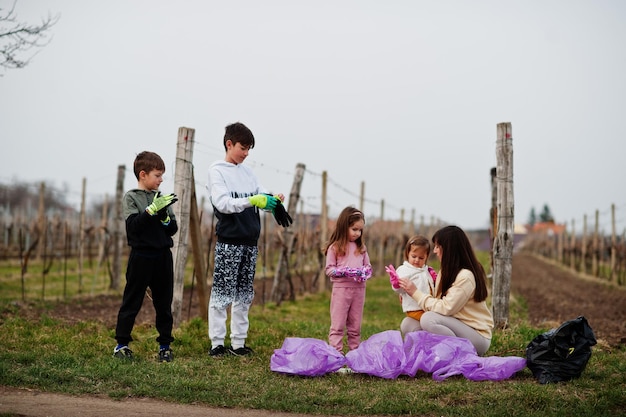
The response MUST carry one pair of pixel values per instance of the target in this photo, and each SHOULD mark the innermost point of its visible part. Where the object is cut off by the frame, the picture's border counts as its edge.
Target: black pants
(154, 270)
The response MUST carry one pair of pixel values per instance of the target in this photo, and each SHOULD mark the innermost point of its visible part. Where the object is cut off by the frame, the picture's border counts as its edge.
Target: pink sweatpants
(346, 313)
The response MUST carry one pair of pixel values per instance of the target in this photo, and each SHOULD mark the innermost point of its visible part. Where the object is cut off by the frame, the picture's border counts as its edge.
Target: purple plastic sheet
(476, 368)
(386, 355)
(381, 355)
(446, 356)
(306, 357)
(429, 352)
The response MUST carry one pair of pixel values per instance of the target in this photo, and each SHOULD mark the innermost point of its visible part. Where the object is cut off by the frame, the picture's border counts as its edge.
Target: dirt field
(553, 294)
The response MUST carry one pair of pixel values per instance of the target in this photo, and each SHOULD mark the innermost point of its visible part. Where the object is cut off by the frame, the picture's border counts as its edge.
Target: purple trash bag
(381, 355)
(306, 357)
(429, 352)
(446, 356)
(476, 368)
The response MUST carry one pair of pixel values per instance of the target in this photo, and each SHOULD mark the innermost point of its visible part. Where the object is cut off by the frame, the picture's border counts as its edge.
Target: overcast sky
(404, 96)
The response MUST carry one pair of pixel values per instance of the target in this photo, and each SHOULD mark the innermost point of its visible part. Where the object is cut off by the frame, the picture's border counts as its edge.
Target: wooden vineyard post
(118, 227)
(323, 235)
(572, 259)
(380, 268)
(183, 182)
(101, 242)
(41, 220)
(362, 197)
(81, 238)
(195, 233)
(583, 249)
(503, 243)
(595, 247)
(493, 216)
(613, 274)
(282, 275)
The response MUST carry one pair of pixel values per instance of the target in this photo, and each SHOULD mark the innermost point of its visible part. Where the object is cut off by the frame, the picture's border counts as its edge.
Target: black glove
(282, 217)
(162, 214)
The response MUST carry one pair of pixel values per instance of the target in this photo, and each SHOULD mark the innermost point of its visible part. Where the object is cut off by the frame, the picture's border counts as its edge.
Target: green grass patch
(55, 356)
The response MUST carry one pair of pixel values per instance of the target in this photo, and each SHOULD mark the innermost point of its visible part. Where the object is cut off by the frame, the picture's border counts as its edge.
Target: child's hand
(264, 201)
(160, 202)
(338, 272)
(362, 274)
(393, 276)
(358, 274)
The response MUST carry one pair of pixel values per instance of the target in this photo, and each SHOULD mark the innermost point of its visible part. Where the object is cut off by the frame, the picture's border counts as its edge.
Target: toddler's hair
(417, 241)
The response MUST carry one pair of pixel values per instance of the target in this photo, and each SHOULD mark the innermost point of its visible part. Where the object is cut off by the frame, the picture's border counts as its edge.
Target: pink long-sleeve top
(352, 259)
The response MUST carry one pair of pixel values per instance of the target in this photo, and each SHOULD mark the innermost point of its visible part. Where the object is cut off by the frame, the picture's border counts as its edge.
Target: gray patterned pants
(233, 280)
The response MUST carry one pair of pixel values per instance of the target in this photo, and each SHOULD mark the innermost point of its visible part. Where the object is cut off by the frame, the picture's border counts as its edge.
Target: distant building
(547, 228)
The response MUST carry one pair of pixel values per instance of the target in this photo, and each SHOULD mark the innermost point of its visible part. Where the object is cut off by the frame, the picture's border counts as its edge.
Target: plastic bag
(306, 357)
(428, 351)
(381, 355)
(446, 356)
(477, 368)
(561, 354)
(386, 355)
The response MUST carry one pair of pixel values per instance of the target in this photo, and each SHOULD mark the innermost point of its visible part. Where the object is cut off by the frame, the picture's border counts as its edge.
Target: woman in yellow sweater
(458, 307)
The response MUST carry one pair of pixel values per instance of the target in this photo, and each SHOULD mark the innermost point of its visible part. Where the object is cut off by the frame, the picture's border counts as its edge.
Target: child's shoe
(166, 355)
(123, 352)
(242, 351)
(218, 350)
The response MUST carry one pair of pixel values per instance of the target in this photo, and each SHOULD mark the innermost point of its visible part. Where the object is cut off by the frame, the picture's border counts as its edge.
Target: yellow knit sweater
(459, 303)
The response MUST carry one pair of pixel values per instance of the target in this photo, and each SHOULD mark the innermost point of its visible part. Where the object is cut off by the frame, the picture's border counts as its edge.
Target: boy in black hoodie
(150, 225)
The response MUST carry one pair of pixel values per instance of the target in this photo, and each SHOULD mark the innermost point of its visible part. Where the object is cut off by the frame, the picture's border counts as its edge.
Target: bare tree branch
(18, 38)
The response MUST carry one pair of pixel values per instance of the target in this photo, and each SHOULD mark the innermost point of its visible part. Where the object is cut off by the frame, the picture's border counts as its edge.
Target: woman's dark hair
(457, 254)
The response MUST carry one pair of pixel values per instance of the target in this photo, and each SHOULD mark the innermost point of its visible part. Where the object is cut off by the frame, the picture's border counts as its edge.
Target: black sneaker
(218, 350)
(242, 351)
(123, 353)
(166, 355)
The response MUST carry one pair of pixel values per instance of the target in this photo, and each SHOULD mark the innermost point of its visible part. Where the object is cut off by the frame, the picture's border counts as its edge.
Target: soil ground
(553, 295)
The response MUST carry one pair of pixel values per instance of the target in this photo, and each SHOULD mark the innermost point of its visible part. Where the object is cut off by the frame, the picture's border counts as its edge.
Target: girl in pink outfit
(348, 266)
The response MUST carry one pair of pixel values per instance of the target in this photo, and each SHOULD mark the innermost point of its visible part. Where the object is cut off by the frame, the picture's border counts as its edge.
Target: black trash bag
(561, 354)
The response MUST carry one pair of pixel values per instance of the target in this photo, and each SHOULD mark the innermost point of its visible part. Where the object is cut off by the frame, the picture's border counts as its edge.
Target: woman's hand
(407, 286)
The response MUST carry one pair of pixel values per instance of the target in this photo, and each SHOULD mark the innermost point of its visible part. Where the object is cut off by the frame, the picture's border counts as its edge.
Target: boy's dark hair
(239, 133)
(147, 161)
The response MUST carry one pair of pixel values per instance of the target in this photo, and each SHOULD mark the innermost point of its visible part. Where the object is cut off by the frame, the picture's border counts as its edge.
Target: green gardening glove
(264, 201)
(160, 202)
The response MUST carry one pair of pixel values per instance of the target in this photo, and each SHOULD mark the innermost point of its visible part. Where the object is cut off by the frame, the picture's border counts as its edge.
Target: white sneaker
(344, 370)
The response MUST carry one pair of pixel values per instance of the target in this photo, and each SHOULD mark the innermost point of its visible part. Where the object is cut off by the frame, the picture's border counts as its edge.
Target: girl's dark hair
(147, 161)
(457, 254)
(347, 218)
